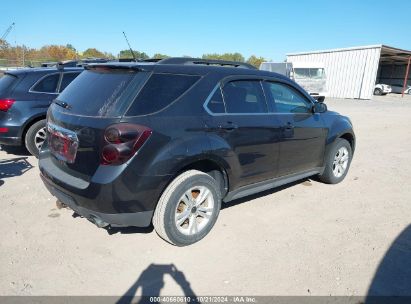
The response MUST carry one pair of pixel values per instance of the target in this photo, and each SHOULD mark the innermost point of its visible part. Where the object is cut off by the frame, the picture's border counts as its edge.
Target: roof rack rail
(138, 60)
(125, 60)
(185, 60)
(66, 63)
(152, 60)
(59, 64)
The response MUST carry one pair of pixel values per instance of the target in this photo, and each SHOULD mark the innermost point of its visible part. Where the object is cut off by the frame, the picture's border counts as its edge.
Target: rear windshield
(6, 82)
(102, 92)
(160, 91)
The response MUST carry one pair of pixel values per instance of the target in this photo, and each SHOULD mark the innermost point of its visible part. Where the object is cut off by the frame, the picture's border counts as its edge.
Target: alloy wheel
(340, 162)
(40, 137)
(194, 210)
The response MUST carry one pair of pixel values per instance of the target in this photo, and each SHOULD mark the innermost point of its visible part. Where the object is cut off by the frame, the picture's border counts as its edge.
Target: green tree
(109, 55)
(92, 52)
(160, 56)
(3, 44)
(139, 55)
(57, 52)
(71, 47)
(212, 56)
(255, 61)
(226, 56)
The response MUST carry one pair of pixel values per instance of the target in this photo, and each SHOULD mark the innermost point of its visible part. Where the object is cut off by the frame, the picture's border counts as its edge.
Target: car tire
(377, 91)
(337, 162)
(409, 92)
(35, 137)
(188, 208)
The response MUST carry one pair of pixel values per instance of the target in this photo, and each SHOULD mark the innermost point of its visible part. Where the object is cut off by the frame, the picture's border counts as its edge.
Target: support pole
(406, 76)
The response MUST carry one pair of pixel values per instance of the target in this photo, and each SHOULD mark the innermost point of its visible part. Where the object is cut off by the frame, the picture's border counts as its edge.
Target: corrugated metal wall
(350, 73)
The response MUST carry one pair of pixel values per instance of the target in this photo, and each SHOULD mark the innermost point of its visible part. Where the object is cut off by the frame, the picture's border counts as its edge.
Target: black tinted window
(6, 82)
(244, 96)
(67, 79)
(102, 92)
(216, 103)
(286, 99)
(160, 91)
(48, 84)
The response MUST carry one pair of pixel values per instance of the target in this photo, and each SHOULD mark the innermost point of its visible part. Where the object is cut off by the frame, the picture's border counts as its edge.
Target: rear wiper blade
(62, 104)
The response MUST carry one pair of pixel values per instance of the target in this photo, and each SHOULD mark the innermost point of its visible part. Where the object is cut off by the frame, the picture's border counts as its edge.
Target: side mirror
(319, 107)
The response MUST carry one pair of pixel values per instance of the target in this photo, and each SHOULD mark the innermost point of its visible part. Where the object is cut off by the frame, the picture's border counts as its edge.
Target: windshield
(313, 73)
(102, 92)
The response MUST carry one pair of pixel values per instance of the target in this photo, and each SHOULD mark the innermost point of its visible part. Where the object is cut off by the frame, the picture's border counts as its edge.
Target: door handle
(289, 126)
(229, 126)
(288, 130)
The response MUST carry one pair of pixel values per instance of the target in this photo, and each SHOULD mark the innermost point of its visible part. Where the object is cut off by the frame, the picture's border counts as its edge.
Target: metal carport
(353, 72)
(394, 66)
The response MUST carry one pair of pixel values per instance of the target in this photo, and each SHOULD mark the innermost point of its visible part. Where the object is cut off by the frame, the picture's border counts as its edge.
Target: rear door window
(67, 79)
(47, 84)
(102, 92)
(160, 91)
(6, 81)
(244, 96)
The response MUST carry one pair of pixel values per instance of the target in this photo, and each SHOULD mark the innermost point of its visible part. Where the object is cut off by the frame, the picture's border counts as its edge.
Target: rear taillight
(122, 141)
(5, 104)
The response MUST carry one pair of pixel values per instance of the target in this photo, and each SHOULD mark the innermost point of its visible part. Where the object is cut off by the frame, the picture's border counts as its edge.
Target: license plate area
(63, 143)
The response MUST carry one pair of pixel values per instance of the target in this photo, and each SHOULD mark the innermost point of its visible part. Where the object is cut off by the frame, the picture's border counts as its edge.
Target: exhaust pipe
(98, 222)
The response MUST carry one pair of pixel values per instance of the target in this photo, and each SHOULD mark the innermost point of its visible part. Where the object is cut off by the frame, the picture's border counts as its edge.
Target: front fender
(340, 126)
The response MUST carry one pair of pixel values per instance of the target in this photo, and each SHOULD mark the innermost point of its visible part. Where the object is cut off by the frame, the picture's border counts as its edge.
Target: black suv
(130, 144)
(25, 96)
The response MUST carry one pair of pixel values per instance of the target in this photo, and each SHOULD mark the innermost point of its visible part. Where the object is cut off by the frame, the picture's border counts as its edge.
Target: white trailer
(310, 75)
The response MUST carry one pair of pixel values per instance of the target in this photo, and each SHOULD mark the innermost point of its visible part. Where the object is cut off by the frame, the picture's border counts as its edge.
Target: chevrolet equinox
(167, 142)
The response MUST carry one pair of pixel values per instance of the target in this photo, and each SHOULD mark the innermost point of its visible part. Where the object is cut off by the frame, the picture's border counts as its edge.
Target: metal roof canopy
(341, 65)
(385, 48)
(392, 55)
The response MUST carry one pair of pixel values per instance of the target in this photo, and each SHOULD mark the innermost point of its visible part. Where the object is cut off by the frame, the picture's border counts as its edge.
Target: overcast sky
(265, 28)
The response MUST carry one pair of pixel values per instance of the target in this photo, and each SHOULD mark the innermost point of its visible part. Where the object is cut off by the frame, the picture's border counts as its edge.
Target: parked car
(382, 89)
(130, 144)
(74, 63)
(397, 88)
(25, 95)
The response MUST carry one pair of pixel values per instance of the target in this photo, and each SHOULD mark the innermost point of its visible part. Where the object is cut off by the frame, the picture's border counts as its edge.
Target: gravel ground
(304, 239)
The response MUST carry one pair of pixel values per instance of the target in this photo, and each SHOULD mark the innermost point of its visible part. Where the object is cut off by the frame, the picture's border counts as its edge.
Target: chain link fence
(9, 64)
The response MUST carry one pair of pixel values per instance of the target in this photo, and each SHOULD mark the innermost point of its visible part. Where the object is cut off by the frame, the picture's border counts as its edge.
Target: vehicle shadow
(129, 230)
(151, 281)
(392, 280)
(149, 229)
(15, 150)
(13, 167)
(262, 194)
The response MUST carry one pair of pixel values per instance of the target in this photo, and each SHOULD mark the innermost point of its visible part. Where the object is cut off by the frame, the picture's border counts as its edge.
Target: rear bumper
(12, 135)
(114, 195)
(138, 219)
(10, 141)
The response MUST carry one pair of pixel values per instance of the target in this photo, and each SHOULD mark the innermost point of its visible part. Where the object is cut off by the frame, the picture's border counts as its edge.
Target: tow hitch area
(97, 221)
